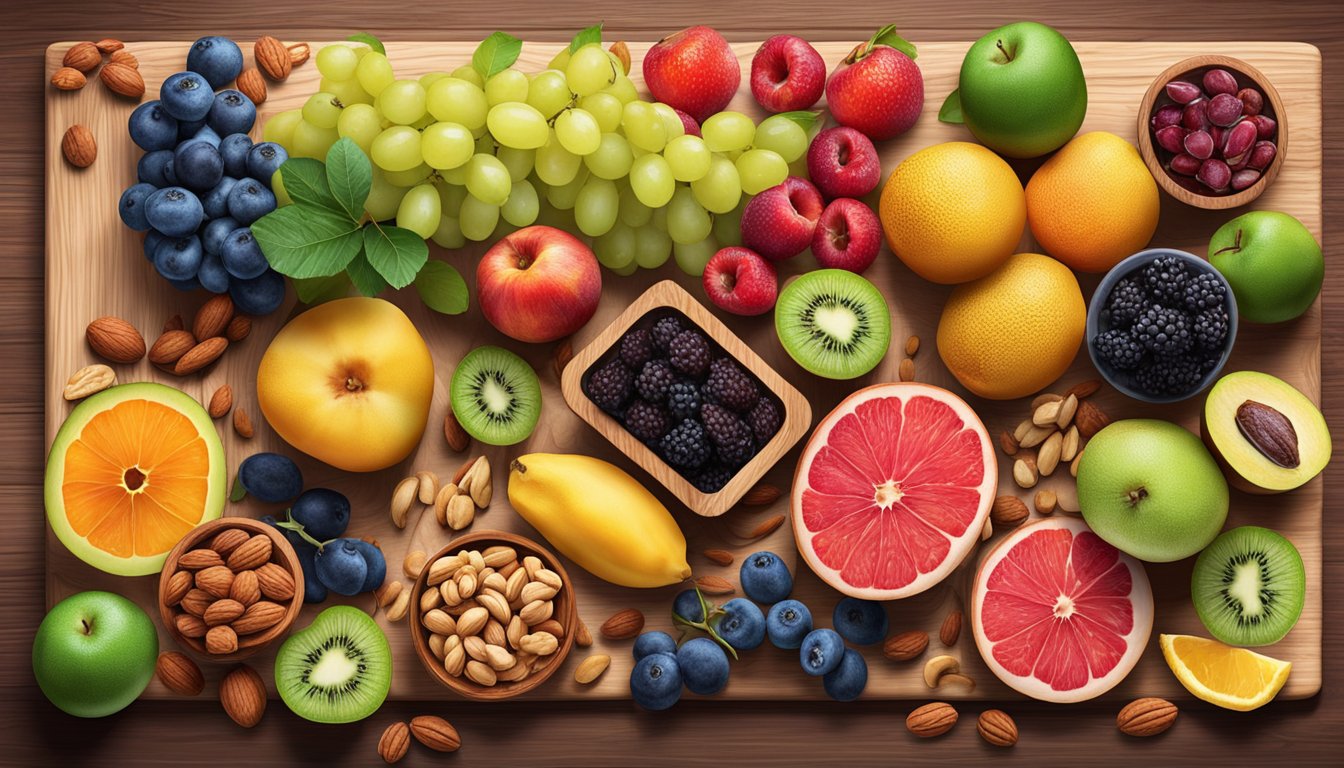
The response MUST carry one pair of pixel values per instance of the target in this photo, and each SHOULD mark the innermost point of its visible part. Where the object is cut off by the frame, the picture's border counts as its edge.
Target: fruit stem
(1137, 495)
(353, 384)
(1235, 247)
(518, 466)
(1006, 53)
(87, 626)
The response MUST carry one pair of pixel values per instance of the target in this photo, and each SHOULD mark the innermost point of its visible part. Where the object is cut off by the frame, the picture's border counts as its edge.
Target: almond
(387, 592)
(299, 53)
(179, 673)
(89, 380)
(221, 402)
(906, 645)
(582, 637)
(83, 57)
(213, 317)
(623, 625)
(228, 540)
(591, 668)
(719, 556)
(258, 617)
(1009, 511)
(123, 80)
(115, 339)
(1146, 717)
(190, 626)
(457, 437)
(766, 527)
(243, 695)
(272, 58)
(997, 728)
(1025, 473)
(255, 553)
(621, 51)
(933, 719)
(951, 629)
(761, 495)
(239, 327)
(197, 559)
(564, 352)
(436, 733)
(906, 371)
(201, 355)
(222, 612)
(68, 79)
(715, 585)
(170, 347)
(109, 45)
(124, 58)
(275, 582)
(179, 584)
(428, 486)
(242, 423)
(250, 84)
(1084, 389)
(394, 742)
(1067, 409)
(1090, 419)
(220, 640)
(1008, 443)
(463, 470)
(1047, 457)
(246, 589)
(217, 580)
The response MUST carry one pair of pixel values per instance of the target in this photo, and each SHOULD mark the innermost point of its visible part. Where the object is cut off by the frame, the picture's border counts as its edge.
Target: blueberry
(786, 624)
(687, 606)
(151, 166)
(654, 642)
(234, 150)
(187, 129)
(862, 622)
(214, 232)
(314, 591)
(271, 477)
(174, 211)
(241, 254)
(232, 112)
(152, 240)
(212, 274)
(215, 58)
(821, 651)
(179, 258)
(207, 135)
(185, 286)
(187, 96)
(264, 160)
(847, 681)
(742, 624)
(169, 177)
(765, 578)
(655, 682)
(271, 521)
(704, 666)
(341, 567)
(323, 513)
(216, 201)
(152, 128)
(250, 200)
(260, 295)
(198, 166)
(132, 206)
(375, 564)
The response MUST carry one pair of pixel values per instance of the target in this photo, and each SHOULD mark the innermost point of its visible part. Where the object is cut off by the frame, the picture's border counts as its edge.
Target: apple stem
(1137, 495)
(518, 466)
(88, 626)
(1006, 54)
(1235, 247)
(353, 384)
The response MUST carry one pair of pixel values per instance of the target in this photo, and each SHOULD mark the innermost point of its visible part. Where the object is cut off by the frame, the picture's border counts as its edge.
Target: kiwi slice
(1249, 586)
(496, 396)
(338, 670)
(834, 323)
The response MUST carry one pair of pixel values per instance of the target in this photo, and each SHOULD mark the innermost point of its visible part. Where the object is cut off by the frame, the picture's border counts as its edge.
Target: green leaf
(366, 279)
(369, 40)
(316, 290)
(887, 36)
(442, 288)
(951, 109)
(305, 181)
(300, 241)
(238, 492)
(592, 34)
(397, 254)
(495, 54)
(350, 177)
(806, 119)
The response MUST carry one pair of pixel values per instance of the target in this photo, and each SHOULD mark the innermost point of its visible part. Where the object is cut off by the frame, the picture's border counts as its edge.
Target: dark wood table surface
(32, 732)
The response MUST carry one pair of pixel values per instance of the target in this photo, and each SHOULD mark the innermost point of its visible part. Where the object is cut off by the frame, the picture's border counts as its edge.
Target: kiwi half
(338, 670)
(1249, 586)
(834, 323)
(495, 396)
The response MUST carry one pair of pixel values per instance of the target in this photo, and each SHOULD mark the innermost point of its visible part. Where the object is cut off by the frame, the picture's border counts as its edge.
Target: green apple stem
(1235, 247)
(1137, 495)
(86, 626)
(1007, 54)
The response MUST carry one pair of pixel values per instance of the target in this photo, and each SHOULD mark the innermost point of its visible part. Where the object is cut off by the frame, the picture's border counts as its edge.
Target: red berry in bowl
(787, 74)
(843, 163)
(738, 280)
(848, 236)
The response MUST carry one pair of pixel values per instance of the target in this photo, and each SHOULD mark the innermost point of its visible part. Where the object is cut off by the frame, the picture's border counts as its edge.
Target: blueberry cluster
(693, 405)
(1167, 327)
(202, 182)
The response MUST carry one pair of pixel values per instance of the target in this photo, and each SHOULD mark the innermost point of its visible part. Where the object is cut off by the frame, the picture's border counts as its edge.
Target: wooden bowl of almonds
(494, 615)
(229, 588)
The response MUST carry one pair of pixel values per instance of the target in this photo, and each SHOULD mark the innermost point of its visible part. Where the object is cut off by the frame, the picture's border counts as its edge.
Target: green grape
(687, 220)
(517, 124)
(409, 177)
(560, 60)
(374, 73)
(446, 145)
(384, 197)
(728, 226)
(430, 78)
(488, 180)
(761, 169)
(396, 149)
(282, 197)
(523, 205)
(782, 136)
(554, 217)
(652, 247)
(450, 197)
(578, 131)
(360, 124)
(555, 164)
(469, 73)
(420, 210)
(643, 127)
(502, 230)
(361, 51)
(633, 212)
(652, 181)
(311, 141)
(506, 86)
(720, 189)
(322, 110)
(280, 128)
(615, 249)
(612, 159)
(337, 62)
(424, 122)
(549, 93)
(659, 219)
(347, 92)
(638, 152)
(596, 206)
(455, 176)
(627, 270)
(692, 257)
(590, 70)
(563, 196)
(688, 157)
(486, 143)
(477, 218)
(671, 120)
(519, 161)
(727, 131)
(605, 109)
(402, 101)
(449, 234)
(623, 89)
(452, 100)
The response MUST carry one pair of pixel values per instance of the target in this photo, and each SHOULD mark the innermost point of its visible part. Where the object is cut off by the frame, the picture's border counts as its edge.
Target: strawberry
(877, 89)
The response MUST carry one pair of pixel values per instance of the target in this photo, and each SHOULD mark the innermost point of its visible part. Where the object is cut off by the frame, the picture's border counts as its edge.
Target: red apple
(877, 89)
(779, 222)
(740, 281)
(787, 74)
(689, 123)
(538, 284)
(694, 71)
(848, 236)
(843, 163)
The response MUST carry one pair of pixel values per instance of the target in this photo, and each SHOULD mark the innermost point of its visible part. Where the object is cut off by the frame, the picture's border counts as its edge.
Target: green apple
(1022, 90)
(94, 653)
(1151, 489)
(1272, 262)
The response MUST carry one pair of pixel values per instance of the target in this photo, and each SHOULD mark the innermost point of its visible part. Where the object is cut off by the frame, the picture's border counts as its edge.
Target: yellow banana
(599, 517)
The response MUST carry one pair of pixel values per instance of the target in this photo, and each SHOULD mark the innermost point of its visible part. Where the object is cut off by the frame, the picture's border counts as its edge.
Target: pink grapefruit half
(1059, 614)
(893, 490)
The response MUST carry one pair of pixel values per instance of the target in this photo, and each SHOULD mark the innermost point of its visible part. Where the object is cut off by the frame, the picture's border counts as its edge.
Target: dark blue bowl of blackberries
(1161, 325)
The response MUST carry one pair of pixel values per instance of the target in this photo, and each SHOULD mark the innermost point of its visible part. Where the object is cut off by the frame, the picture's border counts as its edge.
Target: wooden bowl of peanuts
(494, 615)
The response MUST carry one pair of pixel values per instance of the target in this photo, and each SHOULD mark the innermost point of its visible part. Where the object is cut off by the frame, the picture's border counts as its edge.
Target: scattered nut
(394, 742)
(907, 370)
(238, 328)
(299, 53)
(221, 402)
(242, 423)
(766, 527)
(1008, 443)
(951, 629)
(906, 645)
(123, 80)
(930, 720)
(1045, 502)
(414, 564)
(124, 58)
(719, 556)
(997, 728)
(911, 346)
(89, 380)
(623, 625)
(109, 45)
(251, 85)
(68, 79)
(621, 51)
(1068, 450)
(116, 340)
(1008, 511)
(243, 695)
(403, 496)
(428, 486)
(1084, 389)
(82, 56)
(1024, 472)
(1046, 414)
(179, 673)
(591, 668)
(715, 585)
(272, 58)
(1146, 717)
(1047, 458)
(939, 666)
(1067, 409)
(456, 436)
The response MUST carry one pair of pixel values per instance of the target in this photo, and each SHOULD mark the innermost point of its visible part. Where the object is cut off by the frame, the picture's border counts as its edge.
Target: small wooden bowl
(669, 298)
(1193, 69)
(281, 553)
(566, 613)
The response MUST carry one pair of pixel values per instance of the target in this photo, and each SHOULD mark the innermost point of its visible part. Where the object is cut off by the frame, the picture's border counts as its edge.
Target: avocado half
(1266, 435)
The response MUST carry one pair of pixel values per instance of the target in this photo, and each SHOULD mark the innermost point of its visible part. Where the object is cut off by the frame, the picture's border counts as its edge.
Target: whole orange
(953, 212)
(1093, 203)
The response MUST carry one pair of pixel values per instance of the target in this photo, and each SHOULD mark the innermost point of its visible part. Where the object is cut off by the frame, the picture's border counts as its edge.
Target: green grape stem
(289, 525)
(709, 611)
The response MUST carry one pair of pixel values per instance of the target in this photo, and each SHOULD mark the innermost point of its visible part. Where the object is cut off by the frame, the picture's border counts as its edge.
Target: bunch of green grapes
(457, 158)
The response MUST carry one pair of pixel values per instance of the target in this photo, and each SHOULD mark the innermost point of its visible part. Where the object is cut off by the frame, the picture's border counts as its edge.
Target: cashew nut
(937, 667)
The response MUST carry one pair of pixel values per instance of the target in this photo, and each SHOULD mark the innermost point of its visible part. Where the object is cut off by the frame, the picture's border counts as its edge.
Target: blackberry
(730, 386)
(664, 331)
(686, 446)
(1205, 291)
(1126, 302)
(712, 478)
(765, 420)
(647, 421)
(1164, 332)
(609, 386)
(1209, 329)
(1120, 349)
(689, 353)
(730, 434)
(653, 381)
(683, 399)
(636, 348)
(1178, 376)
(1165, 278)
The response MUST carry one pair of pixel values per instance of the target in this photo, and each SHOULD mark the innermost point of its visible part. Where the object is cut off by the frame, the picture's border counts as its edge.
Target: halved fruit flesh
(1234, 678)
(893, 490)
(1059, 614)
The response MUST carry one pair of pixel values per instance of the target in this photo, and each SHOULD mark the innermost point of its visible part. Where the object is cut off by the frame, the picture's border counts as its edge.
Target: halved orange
(131, 471)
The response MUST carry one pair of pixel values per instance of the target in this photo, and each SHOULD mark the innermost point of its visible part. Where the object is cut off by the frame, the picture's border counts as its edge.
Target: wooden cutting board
(95, 267)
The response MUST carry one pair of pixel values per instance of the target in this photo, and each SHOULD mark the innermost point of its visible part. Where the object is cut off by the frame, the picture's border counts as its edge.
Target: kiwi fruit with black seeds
(1249, 586)
(338, 670)
(834, 323)
(495, 396)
